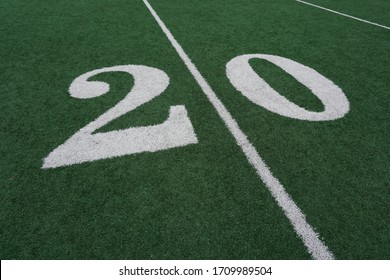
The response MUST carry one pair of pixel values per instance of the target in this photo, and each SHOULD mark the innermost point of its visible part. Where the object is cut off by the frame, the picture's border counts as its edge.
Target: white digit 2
(245, 80)
(85, 145)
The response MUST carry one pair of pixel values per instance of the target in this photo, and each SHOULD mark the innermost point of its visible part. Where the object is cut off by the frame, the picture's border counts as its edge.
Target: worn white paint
(310, 238)
(85, 145)
(245, 79)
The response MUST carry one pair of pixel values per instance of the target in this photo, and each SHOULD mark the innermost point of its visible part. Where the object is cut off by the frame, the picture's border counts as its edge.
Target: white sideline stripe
(310, 238)
(332, 11)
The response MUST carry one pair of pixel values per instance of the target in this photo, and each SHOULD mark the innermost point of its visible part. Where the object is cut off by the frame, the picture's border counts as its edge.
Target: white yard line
(310, 238)
(345, 15)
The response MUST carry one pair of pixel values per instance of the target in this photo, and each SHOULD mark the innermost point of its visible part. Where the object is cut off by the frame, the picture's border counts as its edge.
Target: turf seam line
(342, 14)
(306, 233)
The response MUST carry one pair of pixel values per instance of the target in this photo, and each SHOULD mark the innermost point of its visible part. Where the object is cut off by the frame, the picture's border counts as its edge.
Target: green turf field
(138, 184)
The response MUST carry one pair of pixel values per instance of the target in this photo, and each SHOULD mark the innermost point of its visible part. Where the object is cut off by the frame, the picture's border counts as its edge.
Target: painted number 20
(177, 130)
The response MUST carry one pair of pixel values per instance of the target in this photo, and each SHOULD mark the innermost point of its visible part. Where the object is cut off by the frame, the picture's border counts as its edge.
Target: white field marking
(84, 146)
(310, 238)
(341, 14)
(245, 79)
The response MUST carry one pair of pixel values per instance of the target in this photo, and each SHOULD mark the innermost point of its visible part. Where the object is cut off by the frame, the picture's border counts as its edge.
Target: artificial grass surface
(202, 201)
(337, 171)
(376, 11)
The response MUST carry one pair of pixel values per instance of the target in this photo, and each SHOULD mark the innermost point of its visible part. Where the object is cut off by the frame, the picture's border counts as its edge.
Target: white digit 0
(85, 145)
(245, 80)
